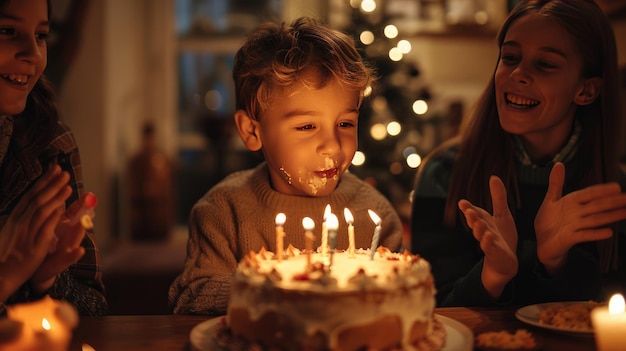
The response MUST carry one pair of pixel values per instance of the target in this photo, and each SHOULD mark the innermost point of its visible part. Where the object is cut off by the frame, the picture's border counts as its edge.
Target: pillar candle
(308, 225)
(609, 325)
(332, 225)
(280, 234)
(349, 219)
(325, 231)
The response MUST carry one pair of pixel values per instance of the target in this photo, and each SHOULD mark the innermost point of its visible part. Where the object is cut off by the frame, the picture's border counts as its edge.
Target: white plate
(458, 336)
(530, 315)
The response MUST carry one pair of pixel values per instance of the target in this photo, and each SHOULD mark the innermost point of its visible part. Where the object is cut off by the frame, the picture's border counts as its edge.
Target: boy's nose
(329, 144)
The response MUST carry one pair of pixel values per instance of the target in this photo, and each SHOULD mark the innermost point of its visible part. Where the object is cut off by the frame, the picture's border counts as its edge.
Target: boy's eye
(346, 124)
(43, 35)
(306, 127)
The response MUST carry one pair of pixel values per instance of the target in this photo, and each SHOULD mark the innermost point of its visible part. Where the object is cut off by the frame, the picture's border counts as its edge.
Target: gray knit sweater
(238, 216)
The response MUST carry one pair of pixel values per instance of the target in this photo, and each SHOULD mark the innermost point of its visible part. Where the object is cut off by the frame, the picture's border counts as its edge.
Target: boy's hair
(278, 56)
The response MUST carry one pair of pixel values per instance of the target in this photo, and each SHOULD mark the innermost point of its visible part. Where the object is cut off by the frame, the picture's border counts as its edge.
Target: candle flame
(332, 223)
(280, 219)
(45, 324)
(374, 217)
(87, 347)
(616, 304)
(326, 211)
(308, 223)
(348, 215)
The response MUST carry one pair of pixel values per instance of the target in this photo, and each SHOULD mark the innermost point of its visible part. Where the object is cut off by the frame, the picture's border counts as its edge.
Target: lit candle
(332, 225)
(46, 324)
(280, 234)
(349, 219)
(308, 225)
(325, 231)
(376, 236)
(609, 325)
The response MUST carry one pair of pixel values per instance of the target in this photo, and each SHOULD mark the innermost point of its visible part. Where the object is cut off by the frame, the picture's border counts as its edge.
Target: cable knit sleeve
(204, 285)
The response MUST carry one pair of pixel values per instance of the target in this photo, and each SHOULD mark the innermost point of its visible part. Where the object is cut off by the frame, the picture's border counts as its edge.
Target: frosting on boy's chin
(312, 183)
(317, 183)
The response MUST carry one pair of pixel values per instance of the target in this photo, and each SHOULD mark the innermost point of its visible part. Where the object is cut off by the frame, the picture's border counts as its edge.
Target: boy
(298, 91)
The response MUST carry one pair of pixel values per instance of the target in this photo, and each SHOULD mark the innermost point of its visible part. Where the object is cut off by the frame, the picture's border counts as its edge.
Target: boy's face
(309, 137)
(23, 53)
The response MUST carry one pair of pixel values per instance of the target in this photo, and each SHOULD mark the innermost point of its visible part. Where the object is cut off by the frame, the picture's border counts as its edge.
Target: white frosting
(352, 291)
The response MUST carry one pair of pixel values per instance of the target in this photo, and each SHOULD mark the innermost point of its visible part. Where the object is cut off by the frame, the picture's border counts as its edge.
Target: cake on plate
(333, 301)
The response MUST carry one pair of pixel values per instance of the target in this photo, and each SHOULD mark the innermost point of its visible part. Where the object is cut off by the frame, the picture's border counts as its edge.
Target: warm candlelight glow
(280, 234)
(376, 236)
(46, 325)
(609, 325)
(327, 211)
(349, 219)
(348, 215)
(374, 217)
(281, 219)
(308, 225)
(616, 304)
(332, 223)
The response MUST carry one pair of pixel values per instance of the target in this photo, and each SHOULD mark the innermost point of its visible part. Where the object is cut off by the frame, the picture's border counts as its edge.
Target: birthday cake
(339, 300)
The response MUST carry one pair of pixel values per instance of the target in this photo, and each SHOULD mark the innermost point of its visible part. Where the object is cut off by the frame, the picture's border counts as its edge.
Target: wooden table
(171, 332)
(485, 319)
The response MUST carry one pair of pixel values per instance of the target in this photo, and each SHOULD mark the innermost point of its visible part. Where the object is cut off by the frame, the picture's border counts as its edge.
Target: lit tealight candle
(280, 234)
(609, 325)
(46, 324)
(325, 231)
(308, 225)
(376, 236)
(349, 219)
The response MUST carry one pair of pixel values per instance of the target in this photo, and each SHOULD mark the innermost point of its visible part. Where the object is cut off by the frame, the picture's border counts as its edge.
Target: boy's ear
(589, 91)
(248, 130)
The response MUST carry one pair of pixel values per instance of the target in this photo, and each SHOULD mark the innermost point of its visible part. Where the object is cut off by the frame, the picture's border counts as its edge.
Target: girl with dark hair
(43, 251)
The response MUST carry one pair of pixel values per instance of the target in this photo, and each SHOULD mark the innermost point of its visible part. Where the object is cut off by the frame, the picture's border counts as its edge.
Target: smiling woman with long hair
(535, 170)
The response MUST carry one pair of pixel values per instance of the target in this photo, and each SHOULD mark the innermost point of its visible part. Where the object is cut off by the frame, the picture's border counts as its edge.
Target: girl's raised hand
(583, 215)
(70, 231)
(31, 227)
(497, 235)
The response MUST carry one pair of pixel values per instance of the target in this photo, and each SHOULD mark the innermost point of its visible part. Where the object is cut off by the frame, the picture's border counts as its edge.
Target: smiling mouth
(520, 102)
(329, 173)
(19, 79)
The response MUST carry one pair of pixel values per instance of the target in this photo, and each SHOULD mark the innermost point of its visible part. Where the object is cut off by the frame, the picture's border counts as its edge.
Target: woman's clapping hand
(580, 216)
